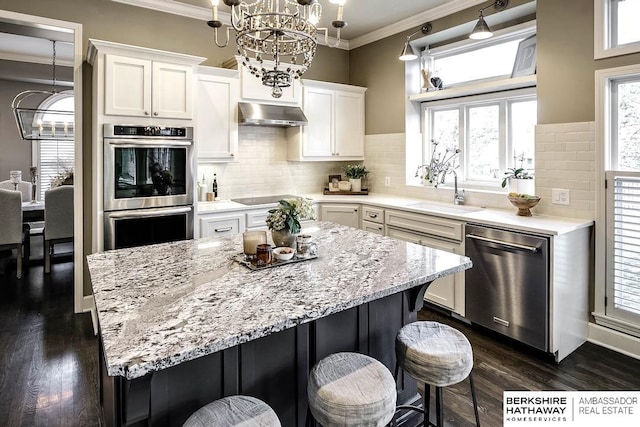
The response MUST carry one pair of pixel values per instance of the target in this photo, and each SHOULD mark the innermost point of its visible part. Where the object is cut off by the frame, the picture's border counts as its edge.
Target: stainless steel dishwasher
(507, 289)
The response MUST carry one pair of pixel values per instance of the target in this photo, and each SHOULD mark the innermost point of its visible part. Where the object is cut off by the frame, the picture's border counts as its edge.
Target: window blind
(56, 158)
(626, 243)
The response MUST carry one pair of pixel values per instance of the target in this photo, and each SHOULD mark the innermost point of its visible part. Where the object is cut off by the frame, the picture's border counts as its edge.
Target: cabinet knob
(355, 210)
(146, 113)
(232, 155)
(337, 154)
(155, 114)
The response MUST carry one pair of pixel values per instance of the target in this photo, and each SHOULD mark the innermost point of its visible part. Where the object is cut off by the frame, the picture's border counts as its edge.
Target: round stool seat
(434, 353)
(234, 411)
(351, 389)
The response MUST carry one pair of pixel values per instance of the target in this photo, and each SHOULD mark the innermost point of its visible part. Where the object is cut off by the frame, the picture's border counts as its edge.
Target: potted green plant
(520, 181)
(284, 220)
(355, 173)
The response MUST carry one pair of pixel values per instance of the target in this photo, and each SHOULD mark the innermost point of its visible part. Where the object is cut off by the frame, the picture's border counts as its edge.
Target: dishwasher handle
(528, 248)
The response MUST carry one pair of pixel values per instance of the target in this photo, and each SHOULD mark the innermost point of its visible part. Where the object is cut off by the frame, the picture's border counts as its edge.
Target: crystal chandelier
(277, 39)
(35, 123)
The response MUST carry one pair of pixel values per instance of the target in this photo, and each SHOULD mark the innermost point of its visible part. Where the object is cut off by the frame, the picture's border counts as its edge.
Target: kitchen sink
(439, 207)
(265, 200)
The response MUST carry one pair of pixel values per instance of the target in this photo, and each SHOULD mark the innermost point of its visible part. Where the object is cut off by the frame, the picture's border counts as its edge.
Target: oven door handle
(144, 213)
(506, 244)
(148, 142)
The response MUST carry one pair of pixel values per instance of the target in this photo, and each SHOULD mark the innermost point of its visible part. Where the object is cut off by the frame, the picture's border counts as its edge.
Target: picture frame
(334, 185)
(525, 62)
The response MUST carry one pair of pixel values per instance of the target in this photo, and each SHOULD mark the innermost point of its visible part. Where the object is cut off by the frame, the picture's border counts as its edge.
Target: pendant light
(407, 53)
(481, 30)
(35, 123)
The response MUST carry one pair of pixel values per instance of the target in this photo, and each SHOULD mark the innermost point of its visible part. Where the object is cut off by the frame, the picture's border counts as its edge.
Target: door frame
(78, 251)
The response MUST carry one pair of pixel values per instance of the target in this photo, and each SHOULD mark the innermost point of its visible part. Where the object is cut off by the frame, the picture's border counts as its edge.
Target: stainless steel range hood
(270, 115)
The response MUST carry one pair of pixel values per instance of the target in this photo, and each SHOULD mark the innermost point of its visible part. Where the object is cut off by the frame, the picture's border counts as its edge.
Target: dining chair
(12, 232)
(23, 186)
(58, 220)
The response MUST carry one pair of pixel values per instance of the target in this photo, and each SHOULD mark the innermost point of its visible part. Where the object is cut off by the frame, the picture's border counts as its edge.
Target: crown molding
(414, 21)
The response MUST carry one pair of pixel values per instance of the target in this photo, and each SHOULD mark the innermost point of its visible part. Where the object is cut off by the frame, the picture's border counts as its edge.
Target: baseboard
(614, 340)
(88, 305)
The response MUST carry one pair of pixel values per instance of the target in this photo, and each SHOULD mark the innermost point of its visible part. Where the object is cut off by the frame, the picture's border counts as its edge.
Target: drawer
(373, 214)
(373, 227)
(256, 219)
(221, 226)
(427, 224)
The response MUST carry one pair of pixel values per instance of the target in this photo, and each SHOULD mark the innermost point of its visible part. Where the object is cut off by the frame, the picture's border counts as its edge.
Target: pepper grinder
(215, 187)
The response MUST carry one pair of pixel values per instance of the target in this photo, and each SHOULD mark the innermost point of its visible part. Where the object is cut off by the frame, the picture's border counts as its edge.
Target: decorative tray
(364, 192)
(239, 258)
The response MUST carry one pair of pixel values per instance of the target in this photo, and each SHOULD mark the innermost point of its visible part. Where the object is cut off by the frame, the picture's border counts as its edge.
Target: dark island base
(273, 368)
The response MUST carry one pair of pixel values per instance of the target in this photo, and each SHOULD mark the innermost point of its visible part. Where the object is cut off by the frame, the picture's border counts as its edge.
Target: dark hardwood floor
(48, 354)
(48, 360)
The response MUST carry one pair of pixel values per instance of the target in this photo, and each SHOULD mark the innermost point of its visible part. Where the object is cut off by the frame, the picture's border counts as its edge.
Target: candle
(340, 12)
(251, 240)
(214, 3)
(40, 127)
(53, 128)
(66, 129)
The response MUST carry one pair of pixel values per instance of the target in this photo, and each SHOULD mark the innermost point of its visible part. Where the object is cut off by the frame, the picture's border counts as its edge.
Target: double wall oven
(148, 185)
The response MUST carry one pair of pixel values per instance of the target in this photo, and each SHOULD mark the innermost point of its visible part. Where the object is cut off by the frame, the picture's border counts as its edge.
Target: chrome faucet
(458, 198)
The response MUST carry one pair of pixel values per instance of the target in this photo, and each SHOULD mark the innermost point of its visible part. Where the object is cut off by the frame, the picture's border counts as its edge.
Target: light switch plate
(560, 196)
(387, 181)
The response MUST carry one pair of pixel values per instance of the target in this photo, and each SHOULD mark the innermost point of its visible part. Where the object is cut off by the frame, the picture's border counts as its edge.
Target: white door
(216, 121)
(349, 124)
(127, 86)
(172, 87)
(318, 134)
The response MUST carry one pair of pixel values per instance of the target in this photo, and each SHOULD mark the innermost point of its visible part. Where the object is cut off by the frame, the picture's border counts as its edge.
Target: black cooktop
(263, 200)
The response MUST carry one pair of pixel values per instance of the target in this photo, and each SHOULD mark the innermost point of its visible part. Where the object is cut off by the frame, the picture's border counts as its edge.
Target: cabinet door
(127, 86)
(346, 214)
(252, 89)
(317, 138)
(172, 87)
(373, 227)
(216, 119)
(441, 291)
(349, 125)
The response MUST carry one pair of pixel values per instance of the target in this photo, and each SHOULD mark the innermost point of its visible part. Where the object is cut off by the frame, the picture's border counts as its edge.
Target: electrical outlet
(387, 181)
(560, 196)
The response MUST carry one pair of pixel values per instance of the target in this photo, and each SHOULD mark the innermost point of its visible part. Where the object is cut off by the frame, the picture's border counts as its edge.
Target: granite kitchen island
(182, 324)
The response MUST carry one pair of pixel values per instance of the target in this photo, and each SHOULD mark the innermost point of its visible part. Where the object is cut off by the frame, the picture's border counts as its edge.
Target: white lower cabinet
(221, 224)
(373, 219)
(438, 233)
(373, 227)
(345, 214)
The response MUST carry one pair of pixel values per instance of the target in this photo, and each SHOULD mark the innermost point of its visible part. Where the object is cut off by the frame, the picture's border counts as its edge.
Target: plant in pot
(520, 181)
(284, 220)
(355, 173)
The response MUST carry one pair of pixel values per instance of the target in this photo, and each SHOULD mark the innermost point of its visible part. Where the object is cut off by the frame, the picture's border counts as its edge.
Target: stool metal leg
(475, 401)
(439, 408)
(426, 404)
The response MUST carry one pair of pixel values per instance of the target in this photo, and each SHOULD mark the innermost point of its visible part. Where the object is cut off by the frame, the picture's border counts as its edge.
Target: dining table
(32, 211)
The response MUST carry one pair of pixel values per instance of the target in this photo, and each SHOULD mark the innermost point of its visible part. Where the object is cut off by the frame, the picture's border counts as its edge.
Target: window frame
(605, 129)
(504, 100)
(604, 20)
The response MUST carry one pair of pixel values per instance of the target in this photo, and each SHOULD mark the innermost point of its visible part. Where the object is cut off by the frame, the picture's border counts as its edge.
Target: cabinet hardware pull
(155, 113)
(145, 213)
(503, 243)
(373, 215)
(222, 230)
(500, 321)
(146, 113)
(232, 154)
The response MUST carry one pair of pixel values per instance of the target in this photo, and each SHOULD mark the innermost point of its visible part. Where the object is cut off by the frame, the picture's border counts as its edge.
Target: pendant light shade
(481, 30)
(407, 52)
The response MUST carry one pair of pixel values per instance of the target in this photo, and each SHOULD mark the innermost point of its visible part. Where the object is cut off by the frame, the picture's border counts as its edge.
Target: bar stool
(438, 355)
(351, 389)
(234, 411)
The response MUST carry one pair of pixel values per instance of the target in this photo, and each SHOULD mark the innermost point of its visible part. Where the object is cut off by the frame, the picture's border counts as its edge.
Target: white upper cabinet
(252, 89)
(216, 115)
(336, 123)
(144, 88)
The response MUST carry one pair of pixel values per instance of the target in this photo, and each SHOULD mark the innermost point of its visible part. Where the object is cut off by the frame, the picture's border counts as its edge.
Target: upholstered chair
(58, 220)
(23, 186)
(11, 229)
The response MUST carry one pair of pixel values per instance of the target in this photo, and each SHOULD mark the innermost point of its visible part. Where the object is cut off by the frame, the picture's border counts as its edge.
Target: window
(616, 29)
(493, 132)
(618, 104)
(54, 157)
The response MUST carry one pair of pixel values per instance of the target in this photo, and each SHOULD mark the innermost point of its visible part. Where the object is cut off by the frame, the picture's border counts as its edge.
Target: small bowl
(281, 253)
(524, 204)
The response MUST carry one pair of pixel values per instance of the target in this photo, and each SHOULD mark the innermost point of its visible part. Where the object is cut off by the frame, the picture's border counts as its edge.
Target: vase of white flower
(284, 221)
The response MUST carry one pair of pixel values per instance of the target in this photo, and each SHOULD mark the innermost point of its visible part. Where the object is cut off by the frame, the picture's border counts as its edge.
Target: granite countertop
(161, 305)
(540, 224)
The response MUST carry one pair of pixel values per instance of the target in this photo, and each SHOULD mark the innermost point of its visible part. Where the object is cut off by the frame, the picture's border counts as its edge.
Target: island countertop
(162, 305)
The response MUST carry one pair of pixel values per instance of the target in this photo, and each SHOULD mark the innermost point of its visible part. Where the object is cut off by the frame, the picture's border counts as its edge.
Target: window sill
(476, 89)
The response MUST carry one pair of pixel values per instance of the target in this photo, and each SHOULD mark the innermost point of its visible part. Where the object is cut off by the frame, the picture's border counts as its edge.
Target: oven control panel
(129, 131)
